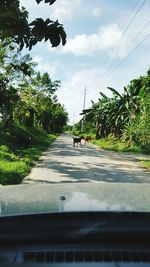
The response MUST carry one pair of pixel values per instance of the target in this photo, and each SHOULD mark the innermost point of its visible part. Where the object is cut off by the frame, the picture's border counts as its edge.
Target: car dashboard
(106, 239)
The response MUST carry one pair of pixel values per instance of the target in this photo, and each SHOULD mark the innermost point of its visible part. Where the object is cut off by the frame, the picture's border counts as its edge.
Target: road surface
(62, 163)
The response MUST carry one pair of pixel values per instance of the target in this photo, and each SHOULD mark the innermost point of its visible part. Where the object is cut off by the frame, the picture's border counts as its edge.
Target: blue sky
(93, 29)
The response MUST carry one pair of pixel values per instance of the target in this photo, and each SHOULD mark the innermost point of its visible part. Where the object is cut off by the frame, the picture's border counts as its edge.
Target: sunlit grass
(115, 145)
(145, 163)
(13, 172)
(16, 160)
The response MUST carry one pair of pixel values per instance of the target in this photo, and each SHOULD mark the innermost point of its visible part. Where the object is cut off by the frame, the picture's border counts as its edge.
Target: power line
(138, 8)
(128, 25)
(131, 41)
(131, 52)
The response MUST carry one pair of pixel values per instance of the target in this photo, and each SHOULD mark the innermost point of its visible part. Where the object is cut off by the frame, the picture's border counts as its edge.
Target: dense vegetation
(29, 113)
(19, 148)
(122, 122)
(27, 97)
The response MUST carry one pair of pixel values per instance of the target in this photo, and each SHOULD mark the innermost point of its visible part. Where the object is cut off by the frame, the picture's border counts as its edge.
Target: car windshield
(74, 106)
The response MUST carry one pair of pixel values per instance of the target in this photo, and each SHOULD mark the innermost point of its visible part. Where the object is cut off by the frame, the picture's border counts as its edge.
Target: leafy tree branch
(14, 24)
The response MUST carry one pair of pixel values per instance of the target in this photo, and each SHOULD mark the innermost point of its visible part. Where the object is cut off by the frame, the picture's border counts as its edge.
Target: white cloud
(72, 90)
(44, 66)
(96, 12)
(37, 59)
(64, 9)
(88, 45)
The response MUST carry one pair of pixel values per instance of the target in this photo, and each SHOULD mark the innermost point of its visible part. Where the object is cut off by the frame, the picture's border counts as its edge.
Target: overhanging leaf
(46, 1)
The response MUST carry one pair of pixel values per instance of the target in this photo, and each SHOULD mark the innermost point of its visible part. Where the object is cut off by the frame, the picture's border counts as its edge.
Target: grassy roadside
(145, 164)
(113, 145)
(19, 148)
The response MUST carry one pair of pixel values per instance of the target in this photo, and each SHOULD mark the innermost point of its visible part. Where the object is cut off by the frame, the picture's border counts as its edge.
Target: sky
(102, 36)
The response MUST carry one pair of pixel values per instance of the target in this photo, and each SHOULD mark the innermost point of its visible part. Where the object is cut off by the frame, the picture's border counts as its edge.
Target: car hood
(73, 197)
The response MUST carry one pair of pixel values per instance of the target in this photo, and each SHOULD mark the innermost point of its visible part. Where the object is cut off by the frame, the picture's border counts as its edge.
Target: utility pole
(82, 124)
(73, 117)
(73, 122)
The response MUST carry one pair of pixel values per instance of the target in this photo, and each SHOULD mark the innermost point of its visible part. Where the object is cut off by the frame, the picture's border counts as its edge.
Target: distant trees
(125, 115)
(27, 97)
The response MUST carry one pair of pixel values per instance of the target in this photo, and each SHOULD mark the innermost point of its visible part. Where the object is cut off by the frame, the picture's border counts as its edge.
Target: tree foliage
(125, 116)
(14, 24)
(28, 97)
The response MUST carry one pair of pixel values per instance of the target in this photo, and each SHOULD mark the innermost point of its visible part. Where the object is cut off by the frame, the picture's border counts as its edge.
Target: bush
(17, 154)
(119, 145)
(7, 156)
(21, 136)
(4, 149)
(12, 172)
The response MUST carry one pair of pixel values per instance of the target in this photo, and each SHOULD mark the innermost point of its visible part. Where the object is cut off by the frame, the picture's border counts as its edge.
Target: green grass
(115, 145)
(13, 172)
(145, 164)
(19, 149)
(112, 144)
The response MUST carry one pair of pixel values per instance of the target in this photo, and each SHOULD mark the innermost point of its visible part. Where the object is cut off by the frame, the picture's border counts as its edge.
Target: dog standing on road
(87, 139)
(77, 140)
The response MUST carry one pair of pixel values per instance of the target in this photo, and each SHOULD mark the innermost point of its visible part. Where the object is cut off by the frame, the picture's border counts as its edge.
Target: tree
(14, 24)
(44, 83)
(9, 97)
(60, 118)
(28, 98)
(125, 115)
(14, 68)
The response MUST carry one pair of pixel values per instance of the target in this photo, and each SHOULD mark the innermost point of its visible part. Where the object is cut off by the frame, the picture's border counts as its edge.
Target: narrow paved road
(62, 163)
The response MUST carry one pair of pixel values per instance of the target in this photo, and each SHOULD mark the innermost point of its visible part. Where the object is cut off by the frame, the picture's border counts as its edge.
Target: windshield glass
(74, 106)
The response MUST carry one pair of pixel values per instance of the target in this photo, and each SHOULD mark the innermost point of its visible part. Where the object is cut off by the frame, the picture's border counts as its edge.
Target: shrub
(12, 172)
(4, 149)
